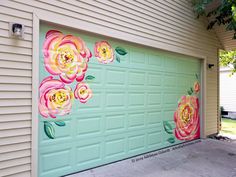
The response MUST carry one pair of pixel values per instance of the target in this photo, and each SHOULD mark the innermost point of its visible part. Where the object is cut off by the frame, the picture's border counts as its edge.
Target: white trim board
(35, 81)
(40, 15)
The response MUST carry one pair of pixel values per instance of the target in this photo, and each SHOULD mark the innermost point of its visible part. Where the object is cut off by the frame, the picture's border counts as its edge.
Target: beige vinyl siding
(164, 24)
(15, 95)
(225, 37)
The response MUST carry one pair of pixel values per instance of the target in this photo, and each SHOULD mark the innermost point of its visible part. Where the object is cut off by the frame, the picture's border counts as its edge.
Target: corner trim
(35, 81)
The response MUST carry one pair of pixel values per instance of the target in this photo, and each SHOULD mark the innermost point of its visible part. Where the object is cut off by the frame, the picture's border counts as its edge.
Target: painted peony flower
(54, 98)
(83, 92)
(186, 118)
(103, 52)
(196, 87)
(66, 56)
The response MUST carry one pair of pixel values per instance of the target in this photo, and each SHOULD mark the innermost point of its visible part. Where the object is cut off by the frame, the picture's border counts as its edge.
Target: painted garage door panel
(131, 110)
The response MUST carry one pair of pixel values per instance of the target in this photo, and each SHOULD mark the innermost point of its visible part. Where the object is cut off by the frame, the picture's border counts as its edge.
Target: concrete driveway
(205, 158)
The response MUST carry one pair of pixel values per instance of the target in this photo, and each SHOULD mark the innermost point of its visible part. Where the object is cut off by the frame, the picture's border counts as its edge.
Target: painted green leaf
(196, 76)
(89, 77)
(121, 51)
(60, 123)
(49, 130)
(191, 89)
(190, 92)
(117, 58)
(171, 140)
(168, 128)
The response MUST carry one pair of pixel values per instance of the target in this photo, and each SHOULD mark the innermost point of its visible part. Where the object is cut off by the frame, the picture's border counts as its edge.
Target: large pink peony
(103, 52)
(55, 98)
(83, 92)
(186, 118)
(66, 56)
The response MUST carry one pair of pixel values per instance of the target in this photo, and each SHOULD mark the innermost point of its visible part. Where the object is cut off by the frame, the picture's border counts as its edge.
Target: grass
(228, 126)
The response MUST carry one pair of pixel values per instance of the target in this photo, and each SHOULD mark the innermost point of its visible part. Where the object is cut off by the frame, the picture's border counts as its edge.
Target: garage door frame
(41, 16)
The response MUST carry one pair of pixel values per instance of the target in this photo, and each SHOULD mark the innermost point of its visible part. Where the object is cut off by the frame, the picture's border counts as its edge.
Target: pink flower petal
(52, 32)
(65, 79)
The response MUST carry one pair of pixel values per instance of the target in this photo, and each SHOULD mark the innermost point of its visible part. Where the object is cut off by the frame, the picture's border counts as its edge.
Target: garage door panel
(61, 154)
(169, 80)
(154, 118)
(136, 120)
(154, 99)
(154, 79)
(89, 125)
(170, 99)
(136, 143)
(137, 57)
(57, 156)
(155, 60)
(154, 139)
(115, 147)
(95, 104)
(136, 78)
(82, 155)
(134, 101)
(115, 123)
(115, 100)
(81, 158)
(168, 115)
(116, 78)
(63, 134)
(170, 65)
(97, 72)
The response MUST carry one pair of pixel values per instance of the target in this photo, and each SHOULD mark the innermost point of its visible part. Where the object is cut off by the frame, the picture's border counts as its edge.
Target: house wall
(225, 37)
(168, 25)
(227, 90)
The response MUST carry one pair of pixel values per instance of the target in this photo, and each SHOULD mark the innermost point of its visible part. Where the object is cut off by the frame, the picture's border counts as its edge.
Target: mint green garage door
(102, 100)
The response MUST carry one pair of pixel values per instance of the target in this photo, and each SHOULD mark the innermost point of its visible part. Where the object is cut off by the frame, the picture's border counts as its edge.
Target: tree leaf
(222, 14)
(49, 130)
(121, 51)
(89, 77)
(171, 140)
(60, 123)
(168, 128)
(117, 58)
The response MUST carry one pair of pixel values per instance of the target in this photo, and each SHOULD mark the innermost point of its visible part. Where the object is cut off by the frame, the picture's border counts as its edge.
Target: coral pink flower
(83, 92)
(196, 87)
(54, 98)
(103, 52)
(66, 56)
(186, 118)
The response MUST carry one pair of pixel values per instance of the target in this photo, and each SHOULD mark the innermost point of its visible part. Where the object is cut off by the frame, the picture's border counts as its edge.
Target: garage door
(102, 100)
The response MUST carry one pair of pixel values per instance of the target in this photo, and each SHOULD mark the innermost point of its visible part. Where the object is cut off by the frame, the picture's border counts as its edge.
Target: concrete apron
(200, 158)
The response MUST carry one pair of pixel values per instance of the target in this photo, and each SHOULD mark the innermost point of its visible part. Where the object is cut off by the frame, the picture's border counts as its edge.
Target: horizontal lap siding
(168, 25)
(226, 38)
(15, 94)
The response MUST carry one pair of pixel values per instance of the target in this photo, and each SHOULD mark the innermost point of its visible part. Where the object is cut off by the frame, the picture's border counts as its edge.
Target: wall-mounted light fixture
(210, 65)
(16, 30)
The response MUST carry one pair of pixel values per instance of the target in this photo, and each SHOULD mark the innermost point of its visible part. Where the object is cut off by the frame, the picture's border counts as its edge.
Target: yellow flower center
(59, 97)
(186, 114)
(83, 91)
(105, 52)
(66, 57)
